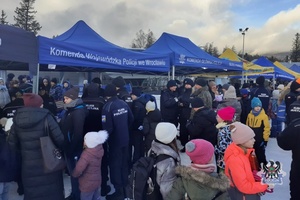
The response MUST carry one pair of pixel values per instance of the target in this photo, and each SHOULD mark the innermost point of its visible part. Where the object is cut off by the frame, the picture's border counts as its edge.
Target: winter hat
(188, 81)
(118, 82)
(227, 113)
(280, 87)
(241, 133)
(246, 85)
(150, 106)
(93, 90)
(92, 139)
(255, 102)
(110, 90)
(96, 80)
(165, 132)
(137, 91)
(197, 102)
(171, 83)
(200, 151)
(72, 93)
(260, 80)
(225, 86)
(200, 81)
(54, 80)
(32, 100)
(230, 93)
(295, 85)
(10, 76)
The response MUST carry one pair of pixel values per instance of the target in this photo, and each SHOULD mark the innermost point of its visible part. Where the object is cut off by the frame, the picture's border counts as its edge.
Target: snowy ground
(281, 192)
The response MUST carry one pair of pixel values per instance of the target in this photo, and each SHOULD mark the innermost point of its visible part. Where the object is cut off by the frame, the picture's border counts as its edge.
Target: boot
(118, 195)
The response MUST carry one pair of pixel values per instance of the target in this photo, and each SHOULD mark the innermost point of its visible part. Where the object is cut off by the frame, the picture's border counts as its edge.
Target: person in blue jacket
(116, 120)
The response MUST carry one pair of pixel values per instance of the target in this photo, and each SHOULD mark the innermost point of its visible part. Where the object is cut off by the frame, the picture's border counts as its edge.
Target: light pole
(243, 33)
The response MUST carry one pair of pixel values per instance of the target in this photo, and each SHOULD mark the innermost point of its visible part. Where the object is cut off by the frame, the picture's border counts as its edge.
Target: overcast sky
(272, 23)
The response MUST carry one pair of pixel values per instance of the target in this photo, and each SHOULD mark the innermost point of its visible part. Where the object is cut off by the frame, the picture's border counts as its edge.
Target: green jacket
(198, 185)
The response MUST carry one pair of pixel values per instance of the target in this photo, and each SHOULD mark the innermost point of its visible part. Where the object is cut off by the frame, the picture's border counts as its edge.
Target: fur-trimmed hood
(215, 181)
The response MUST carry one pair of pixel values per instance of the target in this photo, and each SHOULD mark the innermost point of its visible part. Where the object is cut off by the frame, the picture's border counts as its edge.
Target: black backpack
(142, 183)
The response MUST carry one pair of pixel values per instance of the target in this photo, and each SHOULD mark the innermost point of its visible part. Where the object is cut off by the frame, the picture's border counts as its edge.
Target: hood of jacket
(207, 114)
(27, 117)
(235, 151)
(96, 151)
(213, 180)
(202, 89)
(155, 115)
(160, 148)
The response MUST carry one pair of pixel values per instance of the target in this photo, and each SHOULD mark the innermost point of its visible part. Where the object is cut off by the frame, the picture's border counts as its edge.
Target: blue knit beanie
(255, 102)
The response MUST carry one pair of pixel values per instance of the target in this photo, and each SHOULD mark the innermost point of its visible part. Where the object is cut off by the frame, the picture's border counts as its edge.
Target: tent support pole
(173, 72)
(35, 79)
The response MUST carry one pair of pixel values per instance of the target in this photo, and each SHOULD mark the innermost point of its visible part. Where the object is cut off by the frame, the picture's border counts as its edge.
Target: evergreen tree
(25, 17)
(3, 18)
(295, 55)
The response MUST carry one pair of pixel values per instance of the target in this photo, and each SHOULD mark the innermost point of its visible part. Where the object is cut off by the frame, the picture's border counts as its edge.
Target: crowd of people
(105, 131)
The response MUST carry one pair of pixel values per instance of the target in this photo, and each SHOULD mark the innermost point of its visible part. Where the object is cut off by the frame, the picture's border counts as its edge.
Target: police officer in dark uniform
(116, 120)
(94, 103)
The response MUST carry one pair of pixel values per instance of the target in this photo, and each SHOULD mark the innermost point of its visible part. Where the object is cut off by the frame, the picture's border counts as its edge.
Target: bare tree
(25, 17)
(143, 40)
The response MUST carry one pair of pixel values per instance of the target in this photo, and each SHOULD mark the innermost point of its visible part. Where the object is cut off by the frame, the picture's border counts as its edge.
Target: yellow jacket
(255, 122)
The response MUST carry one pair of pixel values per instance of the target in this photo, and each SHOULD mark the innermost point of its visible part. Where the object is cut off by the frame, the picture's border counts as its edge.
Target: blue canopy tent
(188, 58)
(18, 49)
(81, 48)
(277, 74)
(295, 68)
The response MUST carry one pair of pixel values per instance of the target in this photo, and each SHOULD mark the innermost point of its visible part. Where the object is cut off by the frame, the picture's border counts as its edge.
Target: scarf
(208, 168)
(255, 113)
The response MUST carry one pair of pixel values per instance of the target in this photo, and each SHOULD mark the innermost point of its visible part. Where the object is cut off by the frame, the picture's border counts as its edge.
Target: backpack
(142, 183)
(281, 112)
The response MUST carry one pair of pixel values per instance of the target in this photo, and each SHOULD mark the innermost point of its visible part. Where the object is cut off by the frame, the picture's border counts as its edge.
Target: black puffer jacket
(203, 125)
(150, 122)
(28, 126)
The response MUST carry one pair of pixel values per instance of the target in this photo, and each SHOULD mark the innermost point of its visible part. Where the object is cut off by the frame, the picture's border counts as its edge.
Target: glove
(140, 128)
(176, 99)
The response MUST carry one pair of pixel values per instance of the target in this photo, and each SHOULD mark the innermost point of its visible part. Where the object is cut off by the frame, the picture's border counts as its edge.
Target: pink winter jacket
(88, 169)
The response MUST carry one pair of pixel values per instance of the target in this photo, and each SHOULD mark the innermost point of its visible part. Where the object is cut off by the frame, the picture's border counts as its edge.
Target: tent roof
(284, 68)
(295, 68)
(18, 49)
(188, 57)
(279, 73)
(231, 55)
(81, 46)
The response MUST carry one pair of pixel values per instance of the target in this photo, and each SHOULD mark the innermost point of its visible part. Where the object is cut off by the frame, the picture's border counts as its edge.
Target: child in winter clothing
(259, 122)
(88, 167)
(165, 143)
(199, 181)
(238, 168)
(153, 117)
(224, 118)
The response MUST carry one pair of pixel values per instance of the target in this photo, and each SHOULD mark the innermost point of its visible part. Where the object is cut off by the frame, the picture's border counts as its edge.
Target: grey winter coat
(233, 103)
(165, 169)
(198, 185)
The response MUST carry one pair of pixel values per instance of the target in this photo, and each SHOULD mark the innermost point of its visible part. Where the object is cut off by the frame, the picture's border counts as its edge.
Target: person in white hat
(165, 143)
